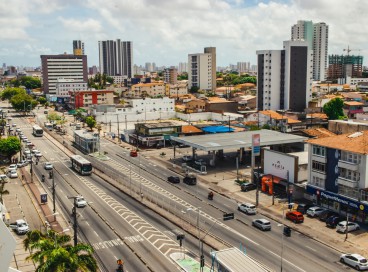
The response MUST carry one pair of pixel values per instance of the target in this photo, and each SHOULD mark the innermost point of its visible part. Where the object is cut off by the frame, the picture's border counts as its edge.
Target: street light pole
(53, 192)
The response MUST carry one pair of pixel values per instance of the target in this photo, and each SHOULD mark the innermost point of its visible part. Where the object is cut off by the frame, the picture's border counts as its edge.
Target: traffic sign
(43, 198)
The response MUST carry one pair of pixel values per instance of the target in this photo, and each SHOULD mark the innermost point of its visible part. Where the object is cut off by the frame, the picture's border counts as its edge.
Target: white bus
(37, 131)
(81, 165)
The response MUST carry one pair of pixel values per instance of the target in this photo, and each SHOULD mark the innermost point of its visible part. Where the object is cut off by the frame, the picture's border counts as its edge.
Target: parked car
(332, 221)
(200, 162)
(303, 207)
(133, 153)
(355, 260)
(12, 174)
(247, 208)
(315, 211)
(27, 153)
(22, 163)
(12, 167)
(173, 179)
(296, 217)
(37, 154)
(326, 214)
(3, 177)
(48, 166)
(19, 226)
(248, 186)
(351, 226)
(80, 202)
(262, 224)
(17, 130)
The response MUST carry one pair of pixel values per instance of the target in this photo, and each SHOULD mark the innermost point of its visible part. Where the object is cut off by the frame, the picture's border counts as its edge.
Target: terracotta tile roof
(317, 115)
(352, 95)
(353, 103)
(318, 132)
(190, 129)
(277, 116)
(356, 142)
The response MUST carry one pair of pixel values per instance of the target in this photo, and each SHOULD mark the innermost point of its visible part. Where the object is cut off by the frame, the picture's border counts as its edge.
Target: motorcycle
(287, 231)
(210, 196)
(43, 178)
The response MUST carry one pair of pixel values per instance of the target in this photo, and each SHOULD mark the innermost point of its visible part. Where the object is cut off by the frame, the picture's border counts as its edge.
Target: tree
(53, 117)
(8, 93)
(91, 122)
(10, 146)
(23, 102)
(53, 252)
(42, 100)
(194, 89)
(334, 109)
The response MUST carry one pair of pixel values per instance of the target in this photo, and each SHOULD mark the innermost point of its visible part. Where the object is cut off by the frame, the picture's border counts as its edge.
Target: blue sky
(165, 31)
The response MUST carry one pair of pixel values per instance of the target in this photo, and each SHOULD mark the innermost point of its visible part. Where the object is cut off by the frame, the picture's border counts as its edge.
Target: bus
(37, 131)
(81, 165)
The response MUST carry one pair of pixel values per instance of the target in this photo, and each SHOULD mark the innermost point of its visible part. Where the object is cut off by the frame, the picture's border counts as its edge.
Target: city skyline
(167, 33)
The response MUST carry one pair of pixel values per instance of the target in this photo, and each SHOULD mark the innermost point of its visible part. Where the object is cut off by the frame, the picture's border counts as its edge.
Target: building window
(319, 150)
(349, 174)
(318, 166)
(350, 157)
(318, 182)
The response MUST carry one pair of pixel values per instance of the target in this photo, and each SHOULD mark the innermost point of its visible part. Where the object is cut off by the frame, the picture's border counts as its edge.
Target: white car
(187, 158)
(341, 227)
(247, 208)
(80, 202)
(315, 211)
(25, 139)
(48, 166)
(355, 260)
(37, 153)
(3, 177)
(13, 174)
(22, 163)
(12, 167)
(17, 130)
(262, 224)
(27, 153)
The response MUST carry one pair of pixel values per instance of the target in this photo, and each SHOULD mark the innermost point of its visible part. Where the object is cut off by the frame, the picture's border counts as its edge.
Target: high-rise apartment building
(341, 67)
(116, 58)
(183, 67)
(243, 67)
(202, 69)
(317, 37)
(171, 75)
(78, 47)
(62, 66)
(285, 77)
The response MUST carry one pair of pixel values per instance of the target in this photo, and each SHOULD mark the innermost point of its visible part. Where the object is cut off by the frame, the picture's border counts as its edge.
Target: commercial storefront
(357, 210)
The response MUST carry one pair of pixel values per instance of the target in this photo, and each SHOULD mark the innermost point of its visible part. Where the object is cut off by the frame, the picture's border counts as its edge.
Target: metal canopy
(212, 142)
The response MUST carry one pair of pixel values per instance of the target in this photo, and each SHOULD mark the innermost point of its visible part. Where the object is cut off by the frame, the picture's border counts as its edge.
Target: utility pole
(117, 118)
(75, 224)
(53, 192)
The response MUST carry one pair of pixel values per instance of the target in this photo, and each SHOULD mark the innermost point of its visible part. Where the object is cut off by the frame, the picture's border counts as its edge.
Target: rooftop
(356, 142)
(318, 132)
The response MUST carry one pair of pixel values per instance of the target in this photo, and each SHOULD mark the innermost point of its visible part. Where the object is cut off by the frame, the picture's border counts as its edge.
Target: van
(302, 207)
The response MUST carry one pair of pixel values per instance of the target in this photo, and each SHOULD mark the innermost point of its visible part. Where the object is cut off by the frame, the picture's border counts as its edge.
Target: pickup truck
(20, 226)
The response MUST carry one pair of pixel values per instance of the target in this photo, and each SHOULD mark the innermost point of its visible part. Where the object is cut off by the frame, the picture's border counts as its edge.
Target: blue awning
(217, 129)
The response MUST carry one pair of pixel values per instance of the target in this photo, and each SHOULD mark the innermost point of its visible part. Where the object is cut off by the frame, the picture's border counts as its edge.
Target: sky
(166, 31)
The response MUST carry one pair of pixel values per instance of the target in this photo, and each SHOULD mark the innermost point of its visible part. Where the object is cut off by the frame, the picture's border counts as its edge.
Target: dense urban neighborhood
(186, 167)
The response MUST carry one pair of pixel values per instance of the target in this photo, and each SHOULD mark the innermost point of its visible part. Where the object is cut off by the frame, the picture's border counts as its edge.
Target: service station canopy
(223, 141)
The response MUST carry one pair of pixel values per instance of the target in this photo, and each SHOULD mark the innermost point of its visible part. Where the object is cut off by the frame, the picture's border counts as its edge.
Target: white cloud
(166, 31)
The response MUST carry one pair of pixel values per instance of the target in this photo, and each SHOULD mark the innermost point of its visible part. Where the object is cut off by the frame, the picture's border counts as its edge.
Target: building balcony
(347, 182)
(319, 158)
(348, 165)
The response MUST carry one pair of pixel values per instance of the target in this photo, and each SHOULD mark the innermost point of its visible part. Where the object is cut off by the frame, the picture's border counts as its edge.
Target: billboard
(280, 164)
(256, 142)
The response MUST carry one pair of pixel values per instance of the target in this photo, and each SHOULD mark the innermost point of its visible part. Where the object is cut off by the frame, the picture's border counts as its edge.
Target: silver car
(355, 260)
(262, 224)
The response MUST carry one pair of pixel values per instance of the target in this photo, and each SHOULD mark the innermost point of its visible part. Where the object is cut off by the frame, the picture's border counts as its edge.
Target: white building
(285, 77)
(183, 67)
(317, 37)
(179, 89)
(119, 79)
(64, 86)
(202, 69)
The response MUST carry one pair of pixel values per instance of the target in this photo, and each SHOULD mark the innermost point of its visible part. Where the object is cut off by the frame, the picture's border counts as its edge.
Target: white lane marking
(284, 260)
(311, 248)
(95, 233)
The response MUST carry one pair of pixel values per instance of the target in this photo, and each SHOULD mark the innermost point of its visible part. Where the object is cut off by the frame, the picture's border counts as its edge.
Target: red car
(133, 153)
(296, 217)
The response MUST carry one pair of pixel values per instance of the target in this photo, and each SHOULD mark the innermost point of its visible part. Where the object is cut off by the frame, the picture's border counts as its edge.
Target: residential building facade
(62, 66)
(284, 78)
(342, 67)
(338, 176)
(317, 37)
(64, 86)
(171, 75)
(202, 69)
(87, 98)
(116, 58)
(147, 90)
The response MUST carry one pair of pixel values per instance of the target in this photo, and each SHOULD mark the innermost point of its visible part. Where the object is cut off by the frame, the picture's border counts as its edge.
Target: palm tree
(53, 252)
(2, 190)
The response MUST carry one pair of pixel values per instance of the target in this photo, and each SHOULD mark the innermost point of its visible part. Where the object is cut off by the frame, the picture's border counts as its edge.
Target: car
(37, 154)
(22, 163)
(247, 208)
(315, 211)
(133, 153)
(27, 153)
(14, 125)
(3, 177)
(80, 202)
(13, 174)
(173, 179)
(12, 167)
(351, 226)
(355, 260)
(262, 224)
(48, 166)
(187, 158)
(200, 162)
(25, 140)
(294, 216)
(326, 214)
(247, 186)
(17, 130)
(190, 180)
(303, 207)
(332, 221)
